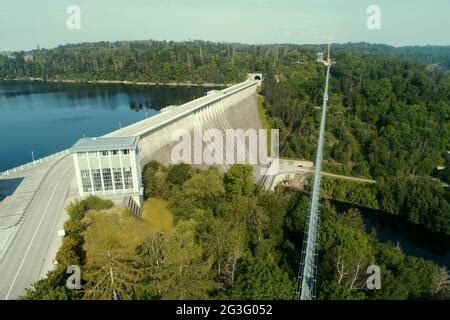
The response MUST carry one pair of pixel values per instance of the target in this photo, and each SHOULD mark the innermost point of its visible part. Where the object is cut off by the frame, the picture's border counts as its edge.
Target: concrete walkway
(289, 167)
(338, 176)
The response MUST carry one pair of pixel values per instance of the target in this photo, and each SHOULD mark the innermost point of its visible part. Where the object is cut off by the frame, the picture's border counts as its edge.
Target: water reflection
(413, 239)
(47, 117)
(140, 96)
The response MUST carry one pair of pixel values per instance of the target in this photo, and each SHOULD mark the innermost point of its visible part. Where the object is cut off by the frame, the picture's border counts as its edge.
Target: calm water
(413, 239)
(49, 117)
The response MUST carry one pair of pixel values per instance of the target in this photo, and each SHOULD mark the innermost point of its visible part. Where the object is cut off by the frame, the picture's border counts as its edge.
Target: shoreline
(126, 82)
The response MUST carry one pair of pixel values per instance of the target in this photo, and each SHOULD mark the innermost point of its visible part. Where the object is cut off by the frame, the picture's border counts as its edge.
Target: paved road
(25, 257)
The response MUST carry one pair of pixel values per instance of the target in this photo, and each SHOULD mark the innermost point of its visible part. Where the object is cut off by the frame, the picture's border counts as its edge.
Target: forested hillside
(145, 61)
(187, 62)
(388, 118)
(228, 240)
(437, 55)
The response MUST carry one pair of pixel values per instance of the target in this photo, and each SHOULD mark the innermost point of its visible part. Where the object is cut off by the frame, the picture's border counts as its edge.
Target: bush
(155, 182)
(70, 251)
(95, 203)
(76, 210)
(178, 174)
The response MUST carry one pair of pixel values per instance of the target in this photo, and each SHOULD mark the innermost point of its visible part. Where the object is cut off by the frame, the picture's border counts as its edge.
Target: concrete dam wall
(240, 115)
(231, 108)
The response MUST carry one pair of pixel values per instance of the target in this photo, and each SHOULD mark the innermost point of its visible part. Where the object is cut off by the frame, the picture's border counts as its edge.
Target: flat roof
(101, 144)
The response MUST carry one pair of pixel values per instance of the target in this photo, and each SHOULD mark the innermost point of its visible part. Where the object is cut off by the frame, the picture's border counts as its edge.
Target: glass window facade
(107, 179)
(97, 179)
(118, 178)
(86, 180)
(105, 172)
(128, 177)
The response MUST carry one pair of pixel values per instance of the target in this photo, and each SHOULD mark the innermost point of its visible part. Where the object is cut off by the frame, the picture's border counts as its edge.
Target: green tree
(174, 267)
(52, 287)
(178, 174)
(261, 278)
(238, 180)
(111, 277)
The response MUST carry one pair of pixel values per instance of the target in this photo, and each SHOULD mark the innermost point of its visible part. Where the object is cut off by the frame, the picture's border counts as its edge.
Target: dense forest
(388, 118)
(139, 61)
(184, 62)
(230, 240)
(436, 55)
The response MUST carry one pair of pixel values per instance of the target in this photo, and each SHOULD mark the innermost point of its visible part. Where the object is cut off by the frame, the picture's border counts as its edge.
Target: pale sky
(25, 24)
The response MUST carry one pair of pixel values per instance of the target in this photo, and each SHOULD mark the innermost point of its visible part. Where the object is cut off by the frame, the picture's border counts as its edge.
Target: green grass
(265, 122)
(118, 227)
(157, 214)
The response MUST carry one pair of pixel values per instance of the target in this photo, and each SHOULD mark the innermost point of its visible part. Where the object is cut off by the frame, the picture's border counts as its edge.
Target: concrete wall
(226, 111)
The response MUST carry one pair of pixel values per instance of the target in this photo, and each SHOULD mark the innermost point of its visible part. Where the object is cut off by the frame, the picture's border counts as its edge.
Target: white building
(108, 167)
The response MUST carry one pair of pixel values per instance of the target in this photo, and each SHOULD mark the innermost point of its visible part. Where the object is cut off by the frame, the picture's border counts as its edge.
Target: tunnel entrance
(257, 78)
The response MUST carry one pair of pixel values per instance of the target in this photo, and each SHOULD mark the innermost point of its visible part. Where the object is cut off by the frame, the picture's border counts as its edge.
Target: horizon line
(227, 42)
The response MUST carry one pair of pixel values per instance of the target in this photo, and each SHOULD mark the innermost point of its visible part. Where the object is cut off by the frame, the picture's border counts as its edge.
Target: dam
(33, 209)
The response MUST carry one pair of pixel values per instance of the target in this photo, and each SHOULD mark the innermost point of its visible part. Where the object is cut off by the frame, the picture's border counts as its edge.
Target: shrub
(95, 203)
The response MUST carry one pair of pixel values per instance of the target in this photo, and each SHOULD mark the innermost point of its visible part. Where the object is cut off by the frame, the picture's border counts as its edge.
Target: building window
(118, 178)
(128, 177)
(104, 153)
(107, 179)
(115, 152)
(125, 151)
(97, 179)
(86, 180)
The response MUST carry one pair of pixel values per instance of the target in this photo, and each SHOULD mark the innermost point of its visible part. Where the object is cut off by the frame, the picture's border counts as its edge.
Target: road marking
(32, 240)
(57, 219)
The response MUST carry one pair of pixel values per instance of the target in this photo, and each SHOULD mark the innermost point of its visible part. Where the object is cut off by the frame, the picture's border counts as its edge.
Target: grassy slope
(117, 225)
(158, 215)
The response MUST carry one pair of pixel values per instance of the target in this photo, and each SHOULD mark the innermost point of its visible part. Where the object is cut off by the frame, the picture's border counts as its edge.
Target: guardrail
(35, 193)
(32, 164)
(155, 122)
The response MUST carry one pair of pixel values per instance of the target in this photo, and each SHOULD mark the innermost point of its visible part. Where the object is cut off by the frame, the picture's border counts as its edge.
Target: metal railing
(32, 163)
(184, 109)
(35, 194)
(307, 275)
